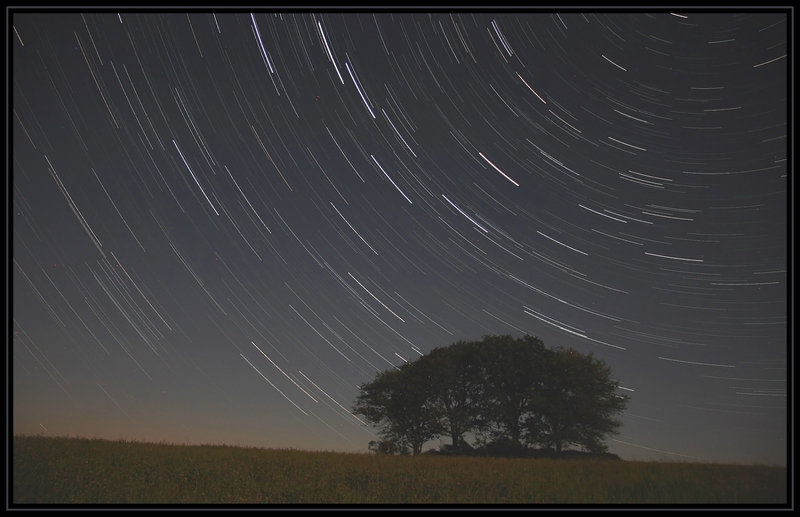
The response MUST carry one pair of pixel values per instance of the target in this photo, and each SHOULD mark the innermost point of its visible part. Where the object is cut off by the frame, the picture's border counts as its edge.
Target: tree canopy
(510, 393)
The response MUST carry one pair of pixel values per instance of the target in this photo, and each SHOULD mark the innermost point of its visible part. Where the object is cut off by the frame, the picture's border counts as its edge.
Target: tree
(399, 403)
(456, 390)
(512, 393)
(513, 373)
(578, 405)
(389, 446)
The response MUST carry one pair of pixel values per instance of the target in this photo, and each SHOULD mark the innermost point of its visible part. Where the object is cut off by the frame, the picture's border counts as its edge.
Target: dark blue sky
(224, 223)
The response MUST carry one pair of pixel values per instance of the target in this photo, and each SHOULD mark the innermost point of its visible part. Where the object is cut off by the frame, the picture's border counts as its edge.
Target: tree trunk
(515, 433)
(455, 434)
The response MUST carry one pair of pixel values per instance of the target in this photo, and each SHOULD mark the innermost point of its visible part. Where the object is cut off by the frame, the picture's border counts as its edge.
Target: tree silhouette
(513, 372)
(456, 390)
(399, 403)
(513, 394)
(578, 403)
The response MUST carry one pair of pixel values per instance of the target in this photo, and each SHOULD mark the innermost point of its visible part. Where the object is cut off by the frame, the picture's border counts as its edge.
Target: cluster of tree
(509, 393)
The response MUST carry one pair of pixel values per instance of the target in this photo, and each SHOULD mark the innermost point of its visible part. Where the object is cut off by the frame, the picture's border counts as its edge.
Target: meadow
(66, 471)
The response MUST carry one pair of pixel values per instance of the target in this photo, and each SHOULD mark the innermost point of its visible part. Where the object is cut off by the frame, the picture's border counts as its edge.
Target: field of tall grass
(86, 471)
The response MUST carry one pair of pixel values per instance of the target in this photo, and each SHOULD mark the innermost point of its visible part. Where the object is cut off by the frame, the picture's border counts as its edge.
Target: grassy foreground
(83, 471)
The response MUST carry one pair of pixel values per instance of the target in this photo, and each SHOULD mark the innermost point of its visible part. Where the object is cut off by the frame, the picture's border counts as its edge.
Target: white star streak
(270, 383)
(701, 364)
(75, 209)
(650, 448)
(672, 258)
(557, 242)
(563, 326)
(531, 89)
(498, 170)
(195, 177)
(324, 393)
(328, 51)
(390, 179)
(248, 201)
(261, 45)
(465, 215)
(613, 63)
(114, 401)
(604, 215)
(284, 373)
(629, 145)
(315, 330)
(351, 227)
(358, 87)
(380, 302)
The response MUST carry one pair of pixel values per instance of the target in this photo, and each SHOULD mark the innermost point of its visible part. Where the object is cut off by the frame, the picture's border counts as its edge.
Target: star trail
(224, 221)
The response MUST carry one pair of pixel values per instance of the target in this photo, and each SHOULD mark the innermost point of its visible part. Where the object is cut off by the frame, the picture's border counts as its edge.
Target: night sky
(224, 223)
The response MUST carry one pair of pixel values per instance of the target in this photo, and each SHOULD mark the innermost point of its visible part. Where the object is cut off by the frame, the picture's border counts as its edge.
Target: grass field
(83, 471)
